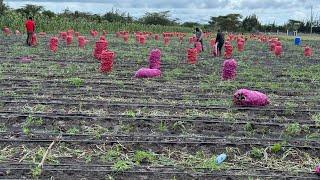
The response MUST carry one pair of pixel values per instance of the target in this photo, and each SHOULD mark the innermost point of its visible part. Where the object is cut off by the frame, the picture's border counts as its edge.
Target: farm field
(113, 126)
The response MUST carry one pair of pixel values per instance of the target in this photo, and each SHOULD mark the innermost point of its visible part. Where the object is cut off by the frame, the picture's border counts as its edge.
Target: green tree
(3, 7)
(30, 10)
(66, 13)
(116, 16)
(48, 13)
(293, 25)
(251, 23)
(270, 27)
(190, 24)
(78, 14)
(158, 18)
(230, 22)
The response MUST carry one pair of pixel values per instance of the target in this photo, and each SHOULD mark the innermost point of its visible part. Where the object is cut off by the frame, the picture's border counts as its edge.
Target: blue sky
(268, 11)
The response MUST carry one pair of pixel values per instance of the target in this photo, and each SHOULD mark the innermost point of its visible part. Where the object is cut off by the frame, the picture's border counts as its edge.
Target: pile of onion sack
(154, 66)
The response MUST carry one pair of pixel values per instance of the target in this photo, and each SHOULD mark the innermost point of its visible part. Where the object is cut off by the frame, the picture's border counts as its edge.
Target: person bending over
(199, 36)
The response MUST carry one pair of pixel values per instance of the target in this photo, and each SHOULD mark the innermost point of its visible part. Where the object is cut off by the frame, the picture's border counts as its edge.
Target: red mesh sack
(229, 69)
(6, 31)
(126, 38)
(180, 39)
(278, 50)
(198, 46)
(70, 32)
(100, 47)
(81, 41)
(93, 33)
(240, 45)
(245, 97)
(272, 46)
(228, 50)
(63, 35)
(106, 61)
(227, 43)
(191, 40)
(164, 34)
(156, 37)
(102, 38)
(137, 38)
(34, 39)
(307, 51)
(278, 43)
(166, 41)
(69, 40)
(118, 34)
(53, 44)
(86, 40)
(147, 73)
(192, 55)
(212, 42)
(215, 51)
(194, 38)
(142, 40)
(155, 59)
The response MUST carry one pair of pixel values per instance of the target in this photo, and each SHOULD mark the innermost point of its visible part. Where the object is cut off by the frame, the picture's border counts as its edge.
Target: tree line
(234, 22)
(230, 22)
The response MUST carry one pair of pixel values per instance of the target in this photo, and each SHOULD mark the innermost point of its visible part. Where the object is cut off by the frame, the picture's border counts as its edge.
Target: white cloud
(268, 11)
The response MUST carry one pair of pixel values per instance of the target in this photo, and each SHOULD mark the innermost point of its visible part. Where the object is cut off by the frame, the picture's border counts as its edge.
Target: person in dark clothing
(199, 35)
(220, 41)
(30, 27)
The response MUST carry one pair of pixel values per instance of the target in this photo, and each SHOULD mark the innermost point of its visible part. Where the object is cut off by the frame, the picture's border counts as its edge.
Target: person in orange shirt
(30, 27)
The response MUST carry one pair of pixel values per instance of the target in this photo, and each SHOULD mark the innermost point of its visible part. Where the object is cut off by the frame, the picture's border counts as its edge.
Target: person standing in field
(199, 35)
(220, 41)
(30, 27)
